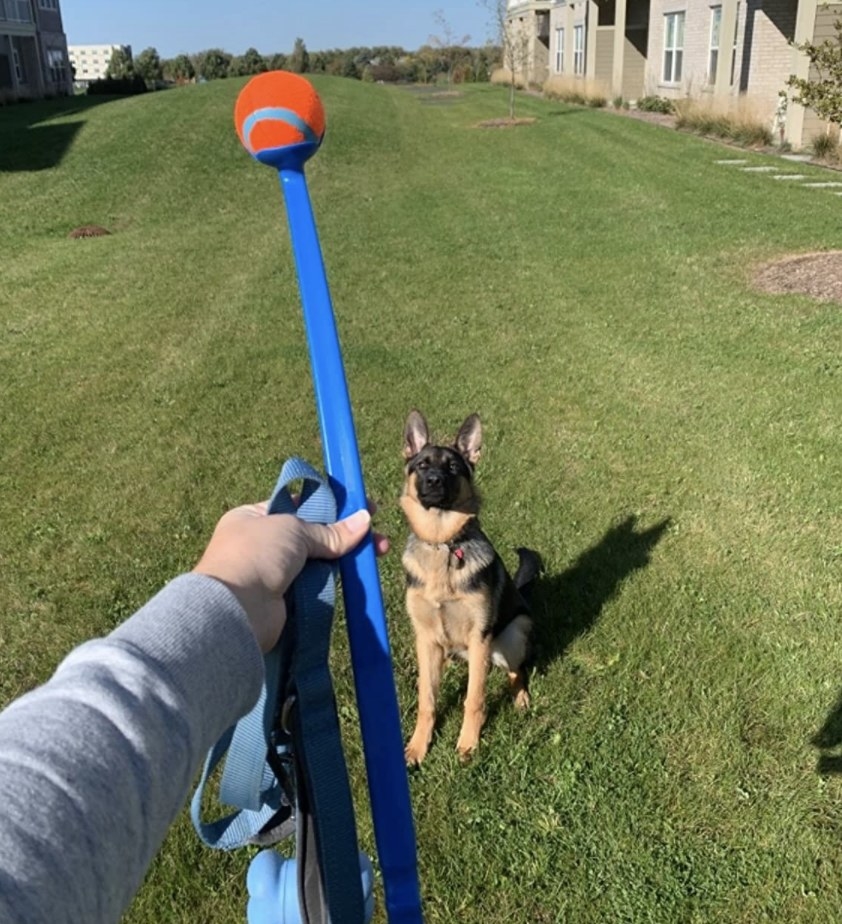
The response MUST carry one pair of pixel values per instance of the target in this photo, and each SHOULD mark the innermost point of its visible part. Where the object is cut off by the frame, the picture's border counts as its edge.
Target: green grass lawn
(667, 437)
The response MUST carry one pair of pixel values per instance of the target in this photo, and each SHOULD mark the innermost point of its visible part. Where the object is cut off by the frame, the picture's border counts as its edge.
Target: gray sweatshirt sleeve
(96, 764)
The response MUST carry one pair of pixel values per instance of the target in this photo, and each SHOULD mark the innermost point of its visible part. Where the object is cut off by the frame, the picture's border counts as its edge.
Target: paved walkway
(787, 172)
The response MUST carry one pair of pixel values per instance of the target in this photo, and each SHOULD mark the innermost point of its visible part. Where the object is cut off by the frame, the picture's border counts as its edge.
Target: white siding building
(90, 62)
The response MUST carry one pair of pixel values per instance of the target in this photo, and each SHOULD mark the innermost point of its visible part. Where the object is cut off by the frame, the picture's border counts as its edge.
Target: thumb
(335, 540)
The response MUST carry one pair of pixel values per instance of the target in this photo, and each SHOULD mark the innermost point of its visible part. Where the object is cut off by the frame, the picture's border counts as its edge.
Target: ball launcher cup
(281, 122)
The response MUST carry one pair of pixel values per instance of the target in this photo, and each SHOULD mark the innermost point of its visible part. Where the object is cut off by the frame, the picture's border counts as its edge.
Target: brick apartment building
(680, 48)
(33, 50)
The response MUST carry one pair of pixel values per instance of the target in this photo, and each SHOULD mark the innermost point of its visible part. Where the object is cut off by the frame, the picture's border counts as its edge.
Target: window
(17, 10)
(17, 63)
(559, 51)
(579, 49)
(734, 50)
(57, 65)
(48, 5)
(713, 57)
(673, 47)
(715, 30)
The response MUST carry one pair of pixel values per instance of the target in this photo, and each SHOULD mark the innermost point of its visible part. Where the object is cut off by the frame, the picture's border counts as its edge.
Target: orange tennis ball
(279, 118)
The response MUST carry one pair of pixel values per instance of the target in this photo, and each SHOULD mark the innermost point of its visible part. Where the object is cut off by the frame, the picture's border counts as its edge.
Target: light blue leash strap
(297, 682)
(327, 836)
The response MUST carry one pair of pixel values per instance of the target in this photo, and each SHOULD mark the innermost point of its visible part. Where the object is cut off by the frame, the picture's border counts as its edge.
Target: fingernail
(358, 522)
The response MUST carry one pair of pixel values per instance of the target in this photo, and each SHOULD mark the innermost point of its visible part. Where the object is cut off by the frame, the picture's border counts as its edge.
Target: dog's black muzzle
(436, 489)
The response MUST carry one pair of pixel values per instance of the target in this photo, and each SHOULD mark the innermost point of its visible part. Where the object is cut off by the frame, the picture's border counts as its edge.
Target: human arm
(95, 764)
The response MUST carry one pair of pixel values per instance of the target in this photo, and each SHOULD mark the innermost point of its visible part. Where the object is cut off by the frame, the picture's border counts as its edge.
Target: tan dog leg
(430, 659)
(479, 660)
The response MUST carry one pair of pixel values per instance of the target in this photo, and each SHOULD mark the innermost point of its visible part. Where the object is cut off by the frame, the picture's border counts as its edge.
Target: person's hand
(258, 556)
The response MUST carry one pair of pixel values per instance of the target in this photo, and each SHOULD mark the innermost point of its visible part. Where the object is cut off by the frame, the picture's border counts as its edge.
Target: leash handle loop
(247, 781)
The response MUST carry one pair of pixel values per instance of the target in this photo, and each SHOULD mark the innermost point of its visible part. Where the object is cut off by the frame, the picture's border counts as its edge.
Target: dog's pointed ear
(469, 439)
(416, 435)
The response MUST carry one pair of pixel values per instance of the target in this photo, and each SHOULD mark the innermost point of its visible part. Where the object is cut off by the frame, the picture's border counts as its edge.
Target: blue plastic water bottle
(273, 889)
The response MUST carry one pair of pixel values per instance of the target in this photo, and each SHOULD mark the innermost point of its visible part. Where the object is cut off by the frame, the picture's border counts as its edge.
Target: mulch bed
(818, 275)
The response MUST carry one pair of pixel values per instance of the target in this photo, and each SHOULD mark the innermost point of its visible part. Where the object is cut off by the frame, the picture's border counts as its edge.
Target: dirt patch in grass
(505, 123)
(816, 274)
(88, 231)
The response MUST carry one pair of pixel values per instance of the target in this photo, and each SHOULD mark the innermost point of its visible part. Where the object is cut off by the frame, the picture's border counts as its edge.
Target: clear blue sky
(173, 26)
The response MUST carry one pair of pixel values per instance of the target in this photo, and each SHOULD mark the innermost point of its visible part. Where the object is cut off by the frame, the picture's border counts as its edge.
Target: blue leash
(288, 748)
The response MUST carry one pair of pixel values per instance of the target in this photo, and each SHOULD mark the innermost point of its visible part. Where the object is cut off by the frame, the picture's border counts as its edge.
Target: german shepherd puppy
(459, 596)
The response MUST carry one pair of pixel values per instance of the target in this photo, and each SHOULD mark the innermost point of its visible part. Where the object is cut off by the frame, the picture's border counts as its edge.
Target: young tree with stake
(447, 43)
(514, 44)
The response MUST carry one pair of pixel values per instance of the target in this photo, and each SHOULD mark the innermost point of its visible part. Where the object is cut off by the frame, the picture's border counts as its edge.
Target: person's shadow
(828, 740)
(568, 604)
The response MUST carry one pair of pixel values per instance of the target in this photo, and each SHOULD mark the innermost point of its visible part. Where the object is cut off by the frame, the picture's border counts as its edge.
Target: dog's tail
(529, 567)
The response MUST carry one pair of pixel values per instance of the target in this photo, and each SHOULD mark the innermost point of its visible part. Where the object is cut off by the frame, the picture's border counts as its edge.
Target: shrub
(735, 120)
(117, 86)
(822, 92)
(826, 146)
(751, 134)
(386, 73)
(503, 76)
(576, 90)
(655, 104)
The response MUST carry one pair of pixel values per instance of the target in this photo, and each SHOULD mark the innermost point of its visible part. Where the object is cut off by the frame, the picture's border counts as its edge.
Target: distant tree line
(439, 61)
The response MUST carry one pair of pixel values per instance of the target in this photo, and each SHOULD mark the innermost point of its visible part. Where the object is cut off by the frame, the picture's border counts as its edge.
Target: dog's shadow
(567, 605)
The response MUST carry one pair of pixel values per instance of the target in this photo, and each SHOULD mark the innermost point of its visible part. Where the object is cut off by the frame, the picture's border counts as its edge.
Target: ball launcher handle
(280, 121)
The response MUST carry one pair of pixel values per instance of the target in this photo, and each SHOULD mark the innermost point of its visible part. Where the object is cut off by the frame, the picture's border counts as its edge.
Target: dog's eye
(423, 465)
(454, 468)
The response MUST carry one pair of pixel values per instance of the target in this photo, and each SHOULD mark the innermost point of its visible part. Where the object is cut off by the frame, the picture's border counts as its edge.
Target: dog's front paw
(521, 700)
(466, 747)
(415, 752)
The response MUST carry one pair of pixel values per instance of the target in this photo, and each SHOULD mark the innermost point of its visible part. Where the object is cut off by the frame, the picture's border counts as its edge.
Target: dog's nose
(433, 479)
